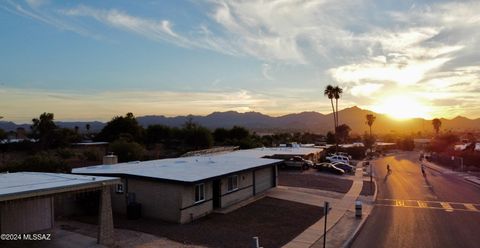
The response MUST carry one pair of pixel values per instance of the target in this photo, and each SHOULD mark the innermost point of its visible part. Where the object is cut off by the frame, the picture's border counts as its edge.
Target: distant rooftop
(197, 168)
(270, 151)
(28, 184)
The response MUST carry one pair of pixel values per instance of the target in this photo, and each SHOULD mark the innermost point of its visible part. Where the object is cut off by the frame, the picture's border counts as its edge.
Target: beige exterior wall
(263, 179)
(244, 191)
(176, 202)
(160, 200)
(26, 215)
(192, 210)
(119, 200)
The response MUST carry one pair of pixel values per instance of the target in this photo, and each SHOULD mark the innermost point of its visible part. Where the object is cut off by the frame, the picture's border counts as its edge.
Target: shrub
(40, 162)
(92, 155)
(65, 153)
(127, 151)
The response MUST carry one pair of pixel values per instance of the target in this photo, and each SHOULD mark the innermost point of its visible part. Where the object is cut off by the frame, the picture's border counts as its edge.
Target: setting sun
(402, 107)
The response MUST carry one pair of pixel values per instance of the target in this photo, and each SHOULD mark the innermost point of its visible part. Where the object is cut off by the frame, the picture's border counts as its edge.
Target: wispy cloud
(426, 48)
(156, 30)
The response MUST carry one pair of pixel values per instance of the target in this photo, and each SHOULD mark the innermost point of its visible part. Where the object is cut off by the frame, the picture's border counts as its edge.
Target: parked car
(346, 167)
(299, 162)
(344, 154)
(338, 158)
(329, 167)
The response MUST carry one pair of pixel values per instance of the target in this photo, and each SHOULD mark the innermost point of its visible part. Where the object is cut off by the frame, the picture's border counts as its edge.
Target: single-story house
(183, 189)
(27, 201)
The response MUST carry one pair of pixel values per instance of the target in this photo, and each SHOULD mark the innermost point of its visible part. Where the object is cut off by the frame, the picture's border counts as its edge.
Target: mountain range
(304, 122)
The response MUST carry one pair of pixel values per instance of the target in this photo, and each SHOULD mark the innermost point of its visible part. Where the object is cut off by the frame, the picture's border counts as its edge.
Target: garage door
(264, 179)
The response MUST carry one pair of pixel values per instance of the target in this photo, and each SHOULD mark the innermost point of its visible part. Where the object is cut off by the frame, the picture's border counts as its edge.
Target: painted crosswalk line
(422, 204)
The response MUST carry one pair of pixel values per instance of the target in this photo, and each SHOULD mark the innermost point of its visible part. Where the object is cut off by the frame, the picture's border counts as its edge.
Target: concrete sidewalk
(465, 175)
(339, 207)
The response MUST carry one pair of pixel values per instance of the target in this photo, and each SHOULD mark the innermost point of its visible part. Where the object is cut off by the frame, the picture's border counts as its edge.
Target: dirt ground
(313, 180)
(366, 190)
(274, 221)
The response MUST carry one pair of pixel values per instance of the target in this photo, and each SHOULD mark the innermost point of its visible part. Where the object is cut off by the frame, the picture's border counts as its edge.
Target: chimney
(110, 159)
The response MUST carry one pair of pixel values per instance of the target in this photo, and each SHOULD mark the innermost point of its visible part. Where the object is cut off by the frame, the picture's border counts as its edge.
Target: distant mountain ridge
(303, 122)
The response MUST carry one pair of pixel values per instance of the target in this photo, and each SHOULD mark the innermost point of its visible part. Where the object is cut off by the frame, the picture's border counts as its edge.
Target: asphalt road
(439, 210)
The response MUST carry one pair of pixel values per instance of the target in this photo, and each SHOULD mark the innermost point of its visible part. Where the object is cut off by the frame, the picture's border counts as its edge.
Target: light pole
(325, 209)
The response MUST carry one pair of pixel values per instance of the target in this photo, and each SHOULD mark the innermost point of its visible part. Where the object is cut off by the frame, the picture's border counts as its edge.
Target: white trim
(234, 185)
(201, 193)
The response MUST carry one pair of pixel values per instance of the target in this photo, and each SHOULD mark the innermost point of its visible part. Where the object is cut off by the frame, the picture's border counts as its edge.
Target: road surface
(439, 210)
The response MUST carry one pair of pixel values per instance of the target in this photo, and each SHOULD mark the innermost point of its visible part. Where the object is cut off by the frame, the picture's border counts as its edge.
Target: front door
(216, 192)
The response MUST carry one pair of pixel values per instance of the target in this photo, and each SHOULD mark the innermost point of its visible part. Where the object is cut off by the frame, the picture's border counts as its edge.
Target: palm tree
(370, 120)
(437, 123)
(337, 92)
(330, 93)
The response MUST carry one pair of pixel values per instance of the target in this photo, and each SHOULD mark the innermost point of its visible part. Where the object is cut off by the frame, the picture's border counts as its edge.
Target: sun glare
(402, 107)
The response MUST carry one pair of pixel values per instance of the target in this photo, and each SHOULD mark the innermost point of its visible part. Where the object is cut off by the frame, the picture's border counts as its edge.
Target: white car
(338, 158)
(344, 154)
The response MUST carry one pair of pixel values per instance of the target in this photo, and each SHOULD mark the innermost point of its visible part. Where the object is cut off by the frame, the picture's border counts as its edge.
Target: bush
(40, 162)
(127, 151)
(65, 153)
(92, 155)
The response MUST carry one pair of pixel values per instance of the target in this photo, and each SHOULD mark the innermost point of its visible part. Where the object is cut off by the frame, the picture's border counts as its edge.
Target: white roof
(270, 151)
(24, 183)
(196, 168)
(187, 169)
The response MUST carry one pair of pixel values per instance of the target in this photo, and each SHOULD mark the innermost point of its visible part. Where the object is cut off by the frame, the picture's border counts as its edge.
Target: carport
(27, 201)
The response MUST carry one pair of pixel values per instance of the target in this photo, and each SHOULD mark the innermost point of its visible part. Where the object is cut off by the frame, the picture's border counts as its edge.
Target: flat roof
(270, 151)
(185, 169)
(29, 184)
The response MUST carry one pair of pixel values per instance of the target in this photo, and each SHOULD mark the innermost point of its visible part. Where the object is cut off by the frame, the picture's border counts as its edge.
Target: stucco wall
(244, 191)
(26, 215)
(263, 179)
(192, 210)
(159, 200)
(119, 200)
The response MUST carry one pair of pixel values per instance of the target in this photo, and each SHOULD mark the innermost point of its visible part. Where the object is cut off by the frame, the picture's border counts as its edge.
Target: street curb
(428, 164)
(354, 235)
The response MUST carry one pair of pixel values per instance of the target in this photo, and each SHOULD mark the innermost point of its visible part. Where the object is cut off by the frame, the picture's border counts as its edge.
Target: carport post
(105, 219)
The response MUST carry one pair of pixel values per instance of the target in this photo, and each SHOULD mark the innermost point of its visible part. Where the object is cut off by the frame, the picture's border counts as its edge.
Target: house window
(232, 183)
(199, 192)
(119, 189)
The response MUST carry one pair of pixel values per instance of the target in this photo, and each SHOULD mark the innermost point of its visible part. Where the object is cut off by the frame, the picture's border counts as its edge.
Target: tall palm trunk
(336, 103)
(334, 118)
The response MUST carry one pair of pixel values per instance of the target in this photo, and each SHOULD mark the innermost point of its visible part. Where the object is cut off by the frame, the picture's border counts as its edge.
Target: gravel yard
(274, 221)
(307, 179)
(366, 190)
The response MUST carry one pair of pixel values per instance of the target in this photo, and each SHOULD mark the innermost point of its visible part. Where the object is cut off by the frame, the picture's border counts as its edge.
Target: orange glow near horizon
(402, 107)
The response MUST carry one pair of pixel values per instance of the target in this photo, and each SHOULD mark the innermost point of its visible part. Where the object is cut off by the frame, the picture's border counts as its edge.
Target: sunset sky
(91, 60)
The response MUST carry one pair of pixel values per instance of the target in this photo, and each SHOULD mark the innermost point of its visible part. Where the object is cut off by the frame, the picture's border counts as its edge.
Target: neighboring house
(183, 189)
(27, 201)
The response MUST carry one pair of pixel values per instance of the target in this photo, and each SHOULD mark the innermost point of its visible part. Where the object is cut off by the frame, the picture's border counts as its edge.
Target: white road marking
(446, 206)
(422, 204)
(470, 207)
